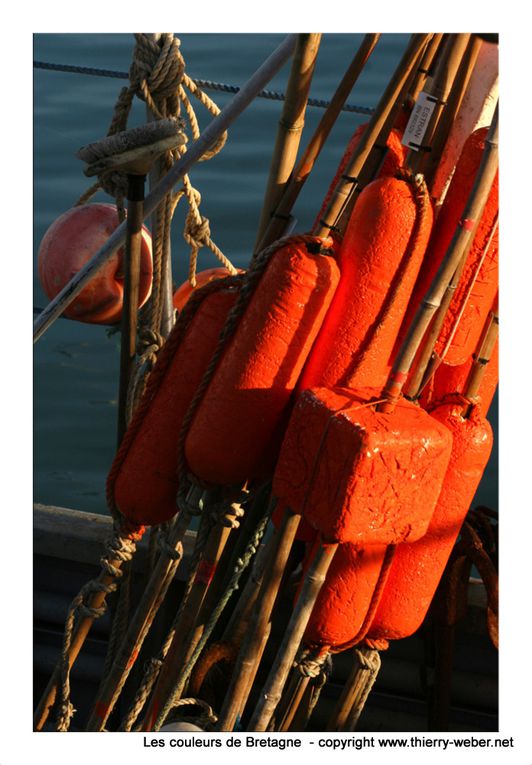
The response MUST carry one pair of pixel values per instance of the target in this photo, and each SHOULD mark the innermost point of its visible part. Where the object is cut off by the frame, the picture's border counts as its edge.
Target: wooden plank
(66, 534)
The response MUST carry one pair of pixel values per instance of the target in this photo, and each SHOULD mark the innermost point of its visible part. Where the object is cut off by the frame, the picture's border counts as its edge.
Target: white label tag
(418, 122)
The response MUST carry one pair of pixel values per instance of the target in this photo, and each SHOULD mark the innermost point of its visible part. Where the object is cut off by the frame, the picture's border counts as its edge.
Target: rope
(241, 565)
(310, 662)
(153, 667)
(151, 674)
(207, 718)
(369, 662)
(207, 84)
(119, 548)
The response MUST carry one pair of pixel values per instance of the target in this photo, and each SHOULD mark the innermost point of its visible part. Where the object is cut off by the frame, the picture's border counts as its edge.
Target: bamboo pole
(426, 66)
(351, 703)
(81, 630)
(428, 361)
(461, 240)
(349, 180)
(377, 154)
(293, 695)
(272, 690)
(247, 661)
(187, 633)
(277, 223)
(437, 94)
(290, 125)
(141, 621)
(483, 356)
(456, 95)
(211, 133)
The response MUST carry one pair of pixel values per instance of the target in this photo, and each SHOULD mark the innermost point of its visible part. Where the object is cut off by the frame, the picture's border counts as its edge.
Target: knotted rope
(119, 549)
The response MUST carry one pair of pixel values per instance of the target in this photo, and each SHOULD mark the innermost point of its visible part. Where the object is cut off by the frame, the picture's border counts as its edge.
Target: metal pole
(211, 133)
(128, 342)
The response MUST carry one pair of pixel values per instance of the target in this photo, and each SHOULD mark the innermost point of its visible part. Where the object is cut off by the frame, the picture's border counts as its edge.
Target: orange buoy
(362, 478)
(143, 480)
(66, 247)
(343, 601)
(393, 161)
(185, 290)
(379, 260)
(477, 289)
(236, 431)
(417, 567)
(359, 475)
(448, 380)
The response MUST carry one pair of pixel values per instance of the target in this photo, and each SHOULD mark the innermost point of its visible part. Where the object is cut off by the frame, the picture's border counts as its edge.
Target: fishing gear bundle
(329, 402)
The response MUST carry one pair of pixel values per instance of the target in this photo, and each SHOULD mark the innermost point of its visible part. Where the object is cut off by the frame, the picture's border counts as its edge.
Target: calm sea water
(76, 365)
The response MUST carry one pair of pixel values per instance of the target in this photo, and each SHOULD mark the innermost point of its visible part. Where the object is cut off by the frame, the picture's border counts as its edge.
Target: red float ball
(72, 240)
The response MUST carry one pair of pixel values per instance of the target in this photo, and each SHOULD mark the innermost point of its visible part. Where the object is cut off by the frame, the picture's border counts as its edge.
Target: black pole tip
(487, 37)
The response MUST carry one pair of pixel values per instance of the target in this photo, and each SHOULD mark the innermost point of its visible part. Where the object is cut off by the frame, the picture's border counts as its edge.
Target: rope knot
(311, 662)
(156, 72)
(369, 660)
(197, 232)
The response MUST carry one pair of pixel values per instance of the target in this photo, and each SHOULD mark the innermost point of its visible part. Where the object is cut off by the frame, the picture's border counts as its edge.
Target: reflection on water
(76, 365)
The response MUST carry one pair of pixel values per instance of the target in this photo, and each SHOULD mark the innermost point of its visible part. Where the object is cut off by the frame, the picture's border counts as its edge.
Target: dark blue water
(76, 365)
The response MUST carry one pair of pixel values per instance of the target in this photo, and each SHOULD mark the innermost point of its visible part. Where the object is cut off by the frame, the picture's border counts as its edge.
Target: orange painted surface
(358, 475)
(448, 380)
(355, 343)
(146, 486)
(485, 286)
(417, 568)
(237, 429)
(185, 290)
(69, 243)
(345, 595)
(393, 161)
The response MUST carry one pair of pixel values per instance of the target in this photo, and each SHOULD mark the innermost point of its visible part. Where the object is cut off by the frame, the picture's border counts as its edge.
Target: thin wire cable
(207, 84)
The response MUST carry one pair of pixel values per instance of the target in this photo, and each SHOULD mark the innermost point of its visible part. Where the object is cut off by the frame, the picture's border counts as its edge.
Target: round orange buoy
(66, 247)
(236, 432)
(143, 480)
(418, 566)
(379, 260)
(185, 290)
(393, 160)
(473, 298)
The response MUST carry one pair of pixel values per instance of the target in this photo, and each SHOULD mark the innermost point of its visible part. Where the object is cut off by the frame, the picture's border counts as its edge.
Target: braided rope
(311, 661)
(207, 718)
(151, 673)
(119, 548)
(241, 565)
(149, 344)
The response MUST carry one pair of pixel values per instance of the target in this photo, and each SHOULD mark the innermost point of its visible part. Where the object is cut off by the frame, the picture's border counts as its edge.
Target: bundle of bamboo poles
(203, 640)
